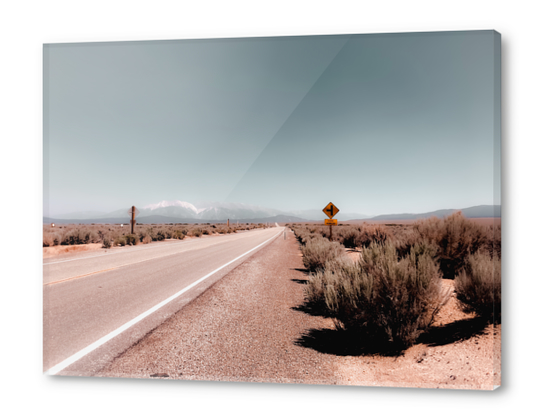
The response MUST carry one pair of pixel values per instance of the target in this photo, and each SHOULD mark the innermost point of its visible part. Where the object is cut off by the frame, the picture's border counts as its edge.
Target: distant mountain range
(470, 212)
(212, 212)
(184, 212)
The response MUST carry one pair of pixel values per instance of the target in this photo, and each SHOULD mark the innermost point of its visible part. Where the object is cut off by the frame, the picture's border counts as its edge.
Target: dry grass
(117, 235)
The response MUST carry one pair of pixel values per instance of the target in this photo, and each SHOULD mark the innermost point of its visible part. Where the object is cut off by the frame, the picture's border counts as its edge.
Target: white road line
(72, 359)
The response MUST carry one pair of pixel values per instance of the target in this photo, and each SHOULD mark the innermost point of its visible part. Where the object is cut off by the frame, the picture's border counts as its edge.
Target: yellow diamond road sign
(330, 210)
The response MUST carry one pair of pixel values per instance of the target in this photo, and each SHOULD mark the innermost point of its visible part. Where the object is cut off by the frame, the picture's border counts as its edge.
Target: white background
(26, 25)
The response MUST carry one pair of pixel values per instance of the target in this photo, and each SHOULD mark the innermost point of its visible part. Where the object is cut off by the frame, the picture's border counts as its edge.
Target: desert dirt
(252, 326)
(53, 251)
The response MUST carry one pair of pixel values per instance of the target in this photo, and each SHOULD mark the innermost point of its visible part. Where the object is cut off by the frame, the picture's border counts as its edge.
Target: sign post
(133, 212)
(330, 210)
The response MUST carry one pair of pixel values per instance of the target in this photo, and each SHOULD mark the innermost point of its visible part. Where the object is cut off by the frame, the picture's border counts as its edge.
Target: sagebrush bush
(315, 289)
(387, 300)
(318, 251)
(350, 237)
(455, 237)
(493, 243)
(79, 236)
(159, 235)
(51, 239)
(478, 286)
(178, 234)
(131, 239)
(460, 238)
(195, 232)
(121, 240)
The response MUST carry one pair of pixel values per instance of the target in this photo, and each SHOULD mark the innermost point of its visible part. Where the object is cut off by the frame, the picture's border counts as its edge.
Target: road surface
(99, 304)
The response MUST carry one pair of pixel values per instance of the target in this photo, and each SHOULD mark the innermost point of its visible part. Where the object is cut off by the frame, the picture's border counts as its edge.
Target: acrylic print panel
(184, 236)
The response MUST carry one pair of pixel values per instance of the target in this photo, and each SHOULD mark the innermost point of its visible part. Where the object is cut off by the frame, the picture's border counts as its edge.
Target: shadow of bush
(344, 343)
(348, 343)
(313, 309)
(299, 281)
(454, 332)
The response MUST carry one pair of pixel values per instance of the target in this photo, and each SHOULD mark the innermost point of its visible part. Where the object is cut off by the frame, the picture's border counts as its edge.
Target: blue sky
(386, 123)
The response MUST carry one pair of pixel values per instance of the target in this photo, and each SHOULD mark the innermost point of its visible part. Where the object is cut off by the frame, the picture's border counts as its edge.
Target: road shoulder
(244, 328)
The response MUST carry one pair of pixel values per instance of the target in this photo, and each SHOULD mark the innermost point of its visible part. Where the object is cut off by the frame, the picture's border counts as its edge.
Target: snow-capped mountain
(174, 203)
(206, 210)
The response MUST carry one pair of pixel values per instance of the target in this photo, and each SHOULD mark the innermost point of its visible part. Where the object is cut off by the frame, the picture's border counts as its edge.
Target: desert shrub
(349, 237)
(460, 238)
(478, 286)
(131, 239)
(319, 281)
(196, 232)
(178, 234)
(205, 231)
(120, 241)
(79, 236)
(146, 239)
(51, 239)
(454, 236)
(106, 243)
(304, 235)
(493, 242)
(373, 234)
(388, 300)
(318, 251)
(160, 235)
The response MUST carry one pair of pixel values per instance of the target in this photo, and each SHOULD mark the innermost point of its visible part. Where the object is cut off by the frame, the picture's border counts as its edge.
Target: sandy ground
(53, 251)
(252, 326)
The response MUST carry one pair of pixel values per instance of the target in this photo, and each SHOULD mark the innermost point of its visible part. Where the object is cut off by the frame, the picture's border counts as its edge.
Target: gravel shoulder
(251, 327)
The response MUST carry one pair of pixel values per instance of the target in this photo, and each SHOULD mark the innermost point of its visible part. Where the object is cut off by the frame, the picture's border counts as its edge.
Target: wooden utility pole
(133, 212)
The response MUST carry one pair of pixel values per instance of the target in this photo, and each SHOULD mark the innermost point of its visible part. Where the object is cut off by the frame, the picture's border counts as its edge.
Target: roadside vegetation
(392, 292)
(116, 235)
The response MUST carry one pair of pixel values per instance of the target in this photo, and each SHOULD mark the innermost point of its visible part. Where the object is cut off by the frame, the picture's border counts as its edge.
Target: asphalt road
(98, 304)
